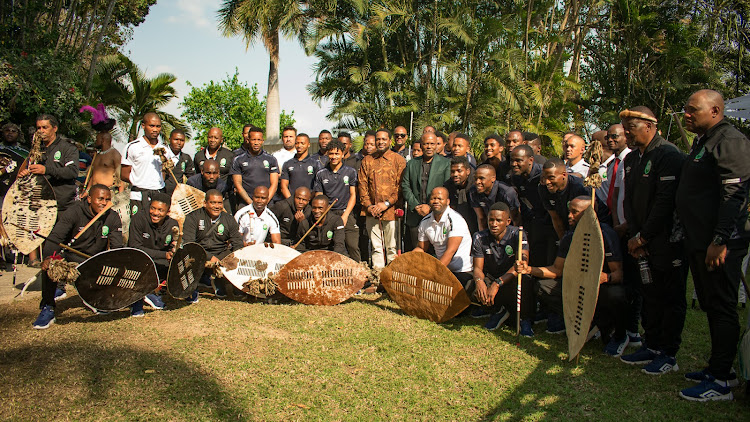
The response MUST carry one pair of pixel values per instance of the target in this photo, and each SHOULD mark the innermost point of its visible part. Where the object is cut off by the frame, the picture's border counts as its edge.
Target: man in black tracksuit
(712, 204)
(651, 177)
(183, 164)
(153, 233)
(105, 233)
(290, 212)
(215, 230)
(326, 235)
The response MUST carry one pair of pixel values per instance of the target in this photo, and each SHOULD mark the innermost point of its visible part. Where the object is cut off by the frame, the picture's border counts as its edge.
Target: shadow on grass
(57, 381)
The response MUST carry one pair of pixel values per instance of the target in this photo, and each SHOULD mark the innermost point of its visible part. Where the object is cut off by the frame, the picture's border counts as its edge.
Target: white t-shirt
(451, 224)
(145, 166)
(253, 227)
(282, 156)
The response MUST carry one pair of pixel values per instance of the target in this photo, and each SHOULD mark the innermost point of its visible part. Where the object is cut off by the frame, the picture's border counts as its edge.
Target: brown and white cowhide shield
(116, 278)
(321, 278)
(121, 205)
(30, 203)
(185, 270)
(185, 199)
(423, 287)
(254, 262)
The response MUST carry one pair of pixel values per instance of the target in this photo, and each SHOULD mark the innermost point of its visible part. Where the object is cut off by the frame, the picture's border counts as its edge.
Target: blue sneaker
(45, 319)
(707, 390)
(616, 346)
(555, 324)
(702, 375)
(60, 294)
(481, 312)
(526, 329)
(136, 309)
(661, 364)
(496, 320)
(642, 356)
(154, 301)
(540, 317)
(634, 339)
(194, 298)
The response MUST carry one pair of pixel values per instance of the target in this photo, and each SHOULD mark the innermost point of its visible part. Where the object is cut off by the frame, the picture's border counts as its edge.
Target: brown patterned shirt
(380, 181)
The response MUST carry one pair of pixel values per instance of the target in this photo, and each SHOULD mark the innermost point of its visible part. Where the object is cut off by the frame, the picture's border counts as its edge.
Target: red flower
(24, 54)
(72, 89)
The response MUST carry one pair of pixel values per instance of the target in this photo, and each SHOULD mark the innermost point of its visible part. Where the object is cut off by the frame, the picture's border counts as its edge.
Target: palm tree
(265, 20)
(129, 94)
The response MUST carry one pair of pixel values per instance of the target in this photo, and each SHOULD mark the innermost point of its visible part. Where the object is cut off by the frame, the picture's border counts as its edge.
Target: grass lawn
(364, 359)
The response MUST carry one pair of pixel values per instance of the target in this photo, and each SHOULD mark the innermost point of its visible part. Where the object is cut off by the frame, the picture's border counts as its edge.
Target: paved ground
(9, 292)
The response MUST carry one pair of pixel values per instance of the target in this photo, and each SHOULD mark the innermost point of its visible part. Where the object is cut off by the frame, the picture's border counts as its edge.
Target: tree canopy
(228, 104)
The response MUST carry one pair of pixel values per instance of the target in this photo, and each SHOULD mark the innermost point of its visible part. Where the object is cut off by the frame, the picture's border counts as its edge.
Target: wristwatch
(718, 240)
(387, 204)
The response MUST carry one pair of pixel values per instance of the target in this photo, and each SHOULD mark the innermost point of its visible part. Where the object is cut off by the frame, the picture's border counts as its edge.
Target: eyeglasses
(399, 135)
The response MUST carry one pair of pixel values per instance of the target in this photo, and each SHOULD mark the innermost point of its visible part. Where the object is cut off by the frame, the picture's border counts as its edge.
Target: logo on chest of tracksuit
(220, 229)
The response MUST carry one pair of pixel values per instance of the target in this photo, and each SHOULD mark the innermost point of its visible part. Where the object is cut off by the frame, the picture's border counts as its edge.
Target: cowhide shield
(423, 287)
(185, 199)
(121, 205)
(255, 262)
(321, 278)
(29, 203)
(185, 270)
(580, 289)
(116, 278)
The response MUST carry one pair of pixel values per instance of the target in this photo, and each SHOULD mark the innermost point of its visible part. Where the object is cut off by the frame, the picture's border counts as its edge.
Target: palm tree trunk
(273, 107)
(98, 44)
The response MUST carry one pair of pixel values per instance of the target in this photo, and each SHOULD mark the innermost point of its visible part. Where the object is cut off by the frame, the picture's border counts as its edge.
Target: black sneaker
(700, 376)
(642, 356)
(496, 320)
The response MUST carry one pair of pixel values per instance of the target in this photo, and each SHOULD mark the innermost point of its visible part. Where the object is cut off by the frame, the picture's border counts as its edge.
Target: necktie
(612, 183)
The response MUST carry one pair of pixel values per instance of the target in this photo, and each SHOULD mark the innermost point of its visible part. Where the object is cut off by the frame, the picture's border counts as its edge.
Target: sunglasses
(399, 135)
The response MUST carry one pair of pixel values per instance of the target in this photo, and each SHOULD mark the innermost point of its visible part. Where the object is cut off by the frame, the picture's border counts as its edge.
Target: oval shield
(423, 287)
(116, 278)
(185, 270)
(121, 205)
(580, 289)
(321, 278)
(185, 199)
(255, 262)
(29, 203)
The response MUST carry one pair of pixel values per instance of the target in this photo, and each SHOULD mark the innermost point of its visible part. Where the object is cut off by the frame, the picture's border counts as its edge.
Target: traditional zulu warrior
(104, 233)
(290, 212)
(215, 230)
(105, 166)
(12, 155)
(156, 234)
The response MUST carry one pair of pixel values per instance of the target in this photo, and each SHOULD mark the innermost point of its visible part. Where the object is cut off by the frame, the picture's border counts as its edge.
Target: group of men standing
(661, 213)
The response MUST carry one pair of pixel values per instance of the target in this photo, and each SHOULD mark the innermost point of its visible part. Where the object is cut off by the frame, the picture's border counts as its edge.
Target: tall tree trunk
(98, 44)
(273, 107)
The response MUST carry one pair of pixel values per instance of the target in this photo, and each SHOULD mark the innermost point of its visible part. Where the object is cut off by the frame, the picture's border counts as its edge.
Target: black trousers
(364, 239)
(542, 245)
(610, 306)
(717, 295)
(49, 286)
(664, 308)
(351, 233)
(507, 296)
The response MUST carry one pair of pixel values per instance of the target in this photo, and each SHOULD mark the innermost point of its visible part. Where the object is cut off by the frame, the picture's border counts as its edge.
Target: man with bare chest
(105, 169)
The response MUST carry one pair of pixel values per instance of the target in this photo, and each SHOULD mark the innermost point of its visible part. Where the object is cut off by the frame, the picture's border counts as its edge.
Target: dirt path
(8, 291)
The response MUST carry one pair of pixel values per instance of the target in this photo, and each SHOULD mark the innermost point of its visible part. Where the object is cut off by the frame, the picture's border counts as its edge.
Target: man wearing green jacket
(422, 175)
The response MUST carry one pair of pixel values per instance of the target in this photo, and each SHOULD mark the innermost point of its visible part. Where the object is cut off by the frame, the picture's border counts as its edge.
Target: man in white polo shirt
(141, 167)
(449, 235)
(256, 220)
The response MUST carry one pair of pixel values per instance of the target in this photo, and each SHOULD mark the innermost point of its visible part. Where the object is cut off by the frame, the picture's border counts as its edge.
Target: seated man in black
(494, 252)
(210, 178)
(215, 230)
(103, 233)
(290, 212)
(328, 234)
(154, 233)
(612, 303)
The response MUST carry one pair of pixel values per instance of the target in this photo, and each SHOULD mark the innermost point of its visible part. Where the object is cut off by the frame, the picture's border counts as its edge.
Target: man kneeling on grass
(611, 306)
(495, 251)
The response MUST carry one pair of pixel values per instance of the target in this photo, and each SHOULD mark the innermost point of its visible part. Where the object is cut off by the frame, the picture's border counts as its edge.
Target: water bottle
(645, 270)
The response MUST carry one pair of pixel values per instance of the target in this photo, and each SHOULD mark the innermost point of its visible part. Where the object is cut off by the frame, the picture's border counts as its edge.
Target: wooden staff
(64, 246)
(88, 173)
(93, 220)
(518, 289)
(316, 223)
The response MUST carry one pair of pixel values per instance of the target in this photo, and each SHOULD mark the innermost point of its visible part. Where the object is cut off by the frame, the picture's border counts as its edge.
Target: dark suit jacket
(411, 184)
